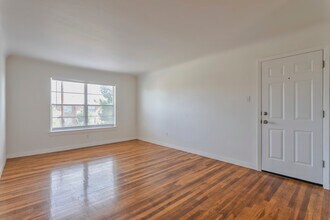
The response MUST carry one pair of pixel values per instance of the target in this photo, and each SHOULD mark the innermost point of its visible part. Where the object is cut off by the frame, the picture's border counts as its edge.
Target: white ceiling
(139, 36)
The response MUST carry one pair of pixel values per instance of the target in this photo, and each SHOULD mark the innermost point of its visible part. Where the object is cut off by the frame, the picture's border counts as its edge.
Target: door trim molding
(326, 107)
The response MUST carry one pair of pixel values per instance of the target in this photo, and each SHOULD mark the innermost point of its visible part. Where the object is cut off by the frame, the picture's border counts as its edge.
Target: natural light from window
(76, 105)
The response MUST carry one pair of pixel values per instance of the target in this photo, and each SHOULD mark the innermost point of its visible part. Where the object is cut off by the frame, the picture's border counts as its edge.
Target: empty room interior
(164, 109)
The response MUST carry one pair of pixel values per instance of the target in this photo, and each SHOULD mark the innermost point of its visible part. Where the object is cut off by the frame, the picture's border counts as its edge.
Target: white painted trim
(2, 167)
(203, 153)
(81, 131)
(326, 120)
(259, 108)
(69, 147)
(326, 103)
(292, 53)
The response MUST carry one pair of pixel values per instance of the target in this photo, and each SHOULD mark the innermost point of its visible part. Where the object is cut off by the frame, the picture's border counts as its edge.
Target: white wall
(2, 106)
(201, 106)
(28, 107)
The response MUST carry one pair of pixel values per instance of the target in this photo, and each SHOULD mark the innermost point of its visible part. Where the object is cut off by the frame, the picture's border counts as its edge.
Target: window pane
(56, 86)
(99, 100)
(100, 111)
(73, 87)
(73, 122)
(67, 122)
(99, 89)
(56, 111)
(56, 122)
(68, 104)
(100, 95)
(94, 89)
(73, 111)
(56, 98)
(73, 99)
(100, 121)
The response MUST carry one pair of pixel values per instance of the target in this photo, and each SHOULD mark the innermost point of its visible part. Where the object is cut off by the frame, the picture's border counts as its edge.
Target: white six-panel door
(292, 116)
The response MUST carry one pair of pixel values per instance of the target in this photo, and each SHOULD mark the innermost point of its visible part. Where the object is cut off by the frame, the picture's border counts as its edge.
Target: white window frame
(85, 127)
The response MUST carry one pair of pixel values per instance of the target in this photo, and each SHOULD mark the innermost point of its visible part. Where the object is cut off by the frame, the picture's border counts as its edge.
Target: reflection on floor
(87, 184)
(139, 180)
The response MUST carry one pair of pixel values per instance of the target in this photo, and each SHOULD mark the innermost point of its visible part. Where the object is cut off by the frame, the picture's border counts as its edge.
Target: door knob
(265, 122)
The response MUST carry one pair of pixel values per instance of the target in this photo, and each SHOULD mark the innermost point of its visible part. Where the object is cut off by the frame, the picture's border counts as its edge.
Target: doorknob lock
(265, 122)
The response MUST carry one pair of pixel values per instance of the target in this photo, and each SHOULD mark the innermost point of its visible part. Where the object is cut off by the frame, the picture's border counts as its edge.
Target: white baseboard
(185, 149)
(204, 154)
(70, 147)
(2, 167)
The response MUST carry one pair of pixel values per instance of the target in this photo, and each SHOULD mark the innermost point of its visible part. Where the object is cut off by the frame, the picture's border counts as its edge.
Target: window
(81, 105)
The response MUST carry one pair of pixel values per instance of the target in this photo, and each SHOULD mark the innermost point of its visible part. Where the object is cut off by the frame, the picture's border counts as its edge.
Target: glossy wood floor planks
(139, 180)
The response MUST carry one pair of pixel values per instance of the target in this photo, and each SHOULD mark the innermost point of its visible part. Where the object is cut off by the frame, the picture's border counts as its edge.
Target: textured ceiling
(139, 36)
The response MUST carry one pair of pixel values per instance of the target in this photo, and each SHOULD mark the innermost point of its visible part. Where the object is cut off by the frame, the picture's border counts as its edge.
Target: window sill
(81, 130)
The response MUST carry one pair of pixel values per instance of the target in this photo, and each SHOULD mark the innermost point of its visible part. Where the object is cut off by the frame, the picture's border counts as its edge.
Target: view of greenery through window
(81, 105)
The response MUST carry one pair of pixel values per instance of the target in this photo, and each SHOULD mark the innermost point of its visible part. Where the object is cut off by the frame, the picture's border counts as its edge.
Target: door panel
(303, 147)
(276, 144)
(303, 100)
(292, 105)
(276, 100)
(276, 71)
(304, 66)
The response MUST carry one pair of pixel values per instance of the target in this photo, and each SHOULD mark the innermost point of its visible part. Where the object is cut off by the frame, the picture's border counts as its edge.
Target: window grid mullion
(86, 104)
(62, 107)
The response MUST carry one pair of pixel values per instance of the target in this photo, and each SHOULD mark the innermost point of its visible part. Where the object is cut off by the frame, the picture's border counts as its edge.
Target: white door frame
(326, 103)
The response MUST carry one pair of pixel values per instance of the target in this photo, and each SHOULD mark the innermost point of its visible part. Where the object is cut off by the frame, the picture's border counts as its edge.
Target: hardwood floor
(139, 180)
